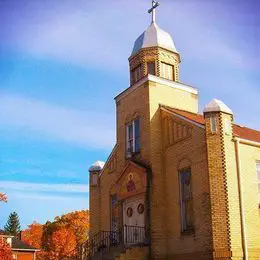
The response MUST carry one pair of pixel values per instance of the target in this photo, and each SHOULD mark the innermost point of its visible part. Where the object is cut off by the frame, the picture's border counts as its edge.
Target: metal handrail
(103, 241)
(135, 236)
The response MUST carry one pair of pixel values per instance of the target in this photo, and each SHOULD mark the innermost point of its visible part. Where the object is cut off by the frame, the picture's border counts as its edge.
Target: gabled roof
(239, 131)
(108, 159)
(18, 244)
(196, 118)
(247, 133)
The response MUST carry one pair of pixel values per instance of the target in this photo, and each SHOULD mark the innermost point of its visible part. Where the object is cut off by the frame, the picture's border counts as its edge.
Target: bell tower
(154, 53)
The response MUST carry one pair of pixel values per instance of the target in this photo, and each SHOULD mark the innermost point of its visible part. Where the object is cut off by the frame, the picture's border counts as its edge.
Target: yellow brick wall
(162, 94)
(190, 152)
(249, 155)
(140, 253)
(129, 107)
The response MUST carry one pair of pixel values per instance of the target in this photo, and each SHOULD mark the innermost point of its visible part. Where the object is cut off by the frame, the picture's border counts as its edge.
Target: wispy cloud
(42, 187)
(80, 127)
(88, 33)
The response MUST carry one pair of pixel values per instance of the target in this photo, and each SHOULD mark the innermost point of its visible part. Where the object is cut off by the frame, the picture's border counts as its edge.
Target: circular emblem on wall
(140, 208)
(129, 212)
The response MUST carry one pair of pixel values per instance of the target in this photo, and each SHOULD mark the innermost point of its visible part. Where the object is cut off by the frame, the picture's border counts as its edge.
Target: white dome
(154, 36)
(97, 166)
(216, 105)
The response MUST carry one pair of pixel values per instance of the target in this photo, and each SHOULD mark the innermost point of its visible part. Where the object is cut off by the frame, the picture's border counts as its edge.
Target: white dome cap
(97, 166)
(152, 37)
(216, 105)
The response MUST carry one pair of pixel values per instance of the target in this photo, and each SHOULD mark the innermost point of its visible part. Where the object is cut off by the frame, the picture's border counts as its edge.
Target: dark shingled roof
(2, 232)
(19, 244)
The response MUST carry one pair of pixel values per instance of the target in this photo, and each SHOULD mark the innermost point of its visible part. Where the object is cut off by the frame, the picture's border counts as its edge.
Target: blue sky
(63, 62)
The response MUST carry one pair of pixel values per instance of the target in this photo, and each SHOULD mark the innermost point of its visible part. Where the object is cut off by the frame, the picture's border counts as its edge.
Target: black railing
(135, 236)
(103, 242)
(98, 244)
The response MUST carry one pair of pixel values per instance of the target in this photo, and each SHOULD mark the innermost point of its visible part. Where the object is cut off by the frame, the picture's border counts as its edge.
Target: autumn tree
(60, 237)
(12, 226)
(3, 197)
(33, 235)
(5, 251)
(62, 243)
(78, 221)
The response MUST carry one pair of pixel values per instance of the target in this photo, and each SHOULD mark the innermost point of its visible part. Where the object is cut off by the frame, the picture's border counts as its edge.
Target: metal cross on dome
(155, 4)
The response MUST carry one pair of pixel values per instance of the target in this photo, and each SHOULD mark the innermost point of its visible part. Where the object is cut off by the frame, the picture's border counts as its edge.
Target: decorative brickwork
(156, 55)
(218, 188)
(175, 131)
(226, 223)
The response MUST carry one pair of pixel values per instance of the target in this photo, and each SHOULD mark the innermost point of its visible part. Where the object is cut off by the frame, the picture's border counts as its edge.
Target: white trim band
(159, 80)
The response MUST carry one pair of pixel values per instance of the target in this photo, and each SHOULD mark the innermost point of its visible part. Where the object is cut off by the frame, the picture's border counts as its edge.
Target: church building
(178, 184)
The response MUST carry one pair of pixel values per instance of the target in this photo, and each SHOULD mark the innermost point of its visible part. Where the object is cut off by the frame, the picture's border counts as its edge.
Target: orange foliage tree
(62, 243)
(5, 251)
(3, 197)
(60, 237)
(33, 235)
(78, 221)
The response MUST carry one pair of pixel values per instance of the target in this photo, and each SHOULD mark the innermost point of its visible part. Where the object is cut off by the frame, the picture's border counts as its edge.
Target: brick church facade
(178, 184)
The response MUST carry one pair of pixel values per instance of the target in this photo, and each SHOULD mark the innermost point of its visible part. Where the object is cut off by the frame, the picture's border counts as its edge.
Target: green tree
(12, 226)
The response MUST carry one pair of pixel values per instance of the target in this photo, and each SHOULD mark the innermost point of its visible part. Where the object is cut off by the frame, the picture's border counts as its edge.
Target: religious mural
(131, 182)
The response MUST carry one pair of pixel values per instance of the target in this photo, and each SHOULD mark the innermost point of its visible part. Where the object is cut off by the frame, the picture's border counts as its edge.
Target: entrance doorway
(134, 220)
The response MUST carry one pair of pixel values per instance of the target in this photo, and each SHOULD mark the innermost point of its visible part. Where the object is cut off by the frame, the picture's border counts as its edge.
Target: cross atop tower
(155, 4)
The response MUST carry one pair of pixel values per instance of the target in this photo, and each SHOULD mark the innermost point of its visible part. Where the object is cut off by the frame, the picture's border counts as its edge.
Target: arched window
(186, 199)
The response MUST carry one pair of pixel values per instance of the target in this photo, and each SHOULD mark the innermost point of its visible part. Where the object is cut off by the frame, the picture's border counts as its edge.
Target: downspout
(241, 200)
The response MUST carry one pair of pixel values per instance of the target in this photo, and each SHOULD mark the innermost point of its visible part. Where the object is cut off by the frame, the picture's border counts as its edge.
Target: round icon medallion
(140, 208)
(129, 212)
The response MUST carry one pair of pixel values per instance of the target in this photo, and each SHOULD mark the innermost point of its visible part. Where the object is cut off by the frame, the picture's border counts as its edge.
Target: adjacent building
(20, 250)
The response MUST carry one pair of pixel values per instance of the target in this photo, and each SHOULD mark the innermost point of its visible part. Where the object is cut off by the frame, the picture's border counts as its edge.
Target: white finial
(152, 10)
